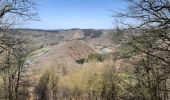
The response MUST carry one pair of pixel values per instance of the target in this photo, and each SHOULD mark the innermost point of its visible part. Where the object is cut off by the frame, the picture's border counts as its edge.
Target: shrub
(98, 57)
(91, 81)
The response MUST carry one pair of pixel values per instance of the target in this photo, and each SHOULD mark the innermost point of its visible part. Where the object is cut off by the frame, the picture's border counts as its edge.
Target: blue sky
(66, 14)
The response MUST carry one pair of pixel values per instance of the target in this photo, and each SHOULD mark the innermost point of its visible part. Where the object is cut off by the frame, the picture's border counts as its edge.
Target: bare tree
(22, 9)
(152, 45)
(13, 49)
(13, 62)
(18, 9)
(109, 85)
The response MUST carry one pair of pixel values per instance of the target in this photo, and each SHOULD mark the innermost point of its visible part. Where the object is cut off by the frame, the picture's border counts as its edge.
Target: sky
(67, 14)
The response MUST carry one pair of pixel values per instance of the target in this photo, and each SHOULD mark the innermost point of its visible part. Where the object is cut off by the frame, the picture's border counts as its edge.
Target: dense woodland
(142, 48)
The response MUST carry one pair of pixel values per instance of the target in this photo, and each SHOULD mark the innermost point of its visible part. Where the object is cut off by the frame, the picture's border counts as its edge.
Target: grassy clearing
(37, 53)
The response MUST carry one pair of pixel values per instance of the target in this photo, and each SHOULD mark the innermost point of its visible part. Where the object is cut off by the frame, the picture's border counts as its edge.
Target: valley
(62, 51)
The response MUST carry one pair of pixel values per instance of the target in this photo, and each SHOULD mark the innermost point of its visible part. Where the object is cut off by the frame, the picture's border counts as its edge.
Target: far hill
(53, 37)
